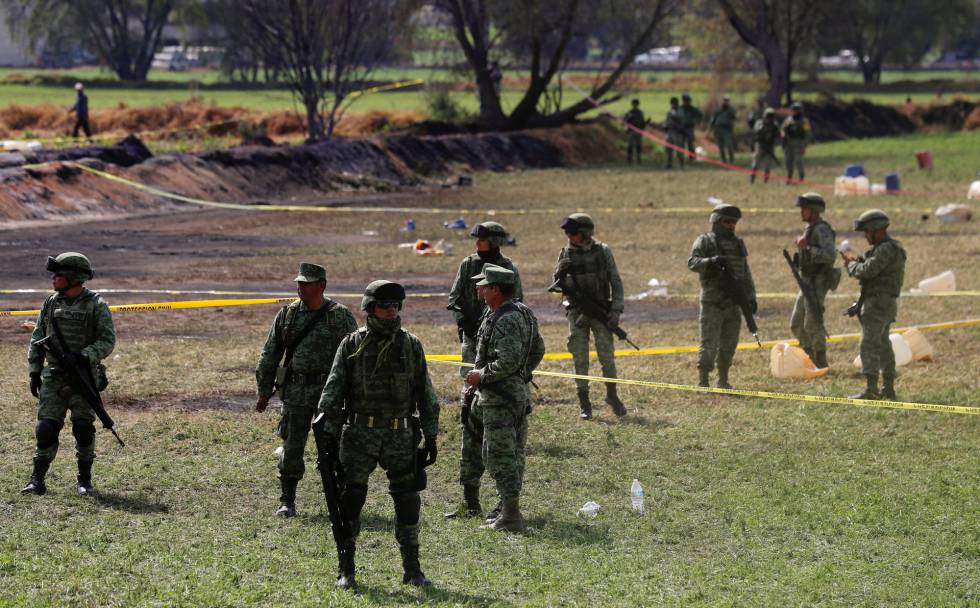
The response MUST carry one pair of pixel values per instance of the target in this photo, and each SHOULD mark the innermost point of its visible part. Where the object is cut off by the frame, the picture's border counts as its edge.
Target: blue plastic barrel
(891, 182)
(854, 170)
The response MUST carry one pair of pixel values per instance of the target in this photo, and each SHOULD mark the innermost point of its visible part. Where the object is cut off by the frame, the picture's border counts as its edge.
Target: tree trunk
(777, 68)
(871, 70)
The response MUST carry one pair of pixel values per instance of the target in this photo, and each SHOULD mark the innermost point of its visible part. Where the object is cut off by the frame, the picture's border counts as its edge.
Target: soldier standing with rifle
(376, 404)
(814, 262)
(586, 271)
(296, 361)
(765, 135)
(79, 322)
(721, 261)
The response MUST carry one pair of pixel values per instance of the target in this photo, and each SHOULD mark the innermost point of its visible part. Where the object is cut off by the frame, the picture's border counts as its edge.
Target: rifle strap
(328, 305)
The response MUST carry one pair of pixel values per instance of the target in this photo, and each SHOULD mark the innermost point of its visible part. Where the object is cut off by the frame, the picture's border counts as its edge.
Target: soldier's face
(575, 238)
(870, 235)
(483, 245)
(59, 282)
(386, 313)
(729, 223)
(806, 213)
(310, 291)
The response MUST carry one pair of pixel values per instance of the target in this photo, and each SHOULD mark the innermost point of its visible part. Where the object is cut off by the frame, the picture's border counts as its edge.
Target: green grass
(751, 502)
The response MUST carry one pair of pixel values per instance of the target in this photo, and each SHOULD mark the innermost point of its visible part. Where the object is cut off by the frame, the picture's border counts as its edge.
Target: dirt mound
(837, 120)
(952, 117)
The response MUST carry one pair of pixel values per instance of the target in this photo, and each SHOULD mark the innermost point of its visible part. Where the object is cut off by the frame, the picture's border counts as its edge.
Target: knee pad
(46, 433)
(84, 432)
(353, 498)
(408, 505)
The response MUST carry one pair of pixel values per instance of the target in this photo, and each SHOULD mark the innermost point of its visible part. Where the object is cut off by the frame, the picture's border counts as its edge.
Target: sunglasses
(388, 304)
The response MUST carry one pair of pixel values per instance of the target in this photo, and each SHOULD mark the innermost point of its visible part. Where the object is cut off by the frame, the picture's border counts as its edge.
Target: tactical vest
(889, 281)
(587, 271)
(795, 129)
(76, 320)
(724, 119)
(766, 135)
(675, 120)
(737, 257)
(388, 391)
(488, 326)
(807, 267)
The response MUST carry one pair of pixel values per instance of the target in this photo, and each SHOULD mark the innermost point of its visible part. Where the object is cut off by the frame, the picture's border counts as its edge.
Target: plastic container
(892, 183)
(853, 170)
(903, 353)
(590, 510)
(636, 496)
(944, 281)
(921, 348)
(877, 189)
(952, 213)
(924, 158)
(974, 191)
(409, 225)
(862, 185)
(787, 361)
(840, 187)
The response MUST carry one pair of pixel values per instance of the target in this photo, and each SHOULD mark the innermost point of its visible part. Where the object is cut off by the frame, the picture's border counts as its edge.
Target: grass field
(750, 502)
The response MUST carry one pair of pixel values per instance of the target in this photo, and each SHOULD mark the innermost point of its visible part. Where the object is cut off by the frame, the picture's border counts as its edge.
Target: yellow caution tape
(898, 405)
(386, 87)
(213, 292)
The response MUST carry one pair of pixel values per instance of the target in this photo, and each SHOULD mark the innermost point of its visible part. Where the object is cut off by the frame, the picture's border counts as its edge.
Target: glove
(753, 306)
(431, 450)
(36, 384)
(76, 360)
(612, 319)
(719, 262)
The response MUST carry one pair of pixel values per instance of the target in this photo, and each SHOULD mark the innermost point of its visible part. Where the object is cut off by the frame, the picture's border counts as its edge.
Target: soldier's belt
(379, 422)
(308, 378)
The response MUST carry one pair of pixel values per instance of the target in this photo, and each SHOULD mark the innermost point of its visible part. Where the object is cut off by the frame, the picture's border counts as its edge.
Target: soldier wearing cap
(764, 137)
(495, 434)
(634, 136)
(296, 361)
(815, 262)
(715, 253)
(79, 320)
(723, 125)
(881, 272)
(587, 267)
(692, 118)
(795, 133)
(674, 125)
(376, 403)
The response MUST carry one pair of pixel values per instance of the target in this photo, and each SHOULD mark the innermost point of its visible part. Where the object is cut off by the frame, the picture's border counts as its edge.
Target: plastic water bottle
(636, 496)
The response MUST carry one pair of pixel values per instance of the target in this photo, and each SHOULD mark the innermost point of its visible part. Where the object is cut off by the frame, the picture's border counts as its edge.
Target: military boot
(888, 388)
(493, 514)
(584, 405)
(85, 478)
(703, 379)
(345, 570)
(612, 399)
(471, 504)
(35, 485)
(410, 565)
(723, 378)
(510, 518)
(870, 392)
(820, 359)
(287, 502)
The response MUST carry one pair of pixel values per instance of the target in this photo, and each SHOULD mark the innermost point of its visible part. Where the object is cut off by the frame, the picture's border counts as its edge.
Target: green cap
(311, 273)
(494, 275)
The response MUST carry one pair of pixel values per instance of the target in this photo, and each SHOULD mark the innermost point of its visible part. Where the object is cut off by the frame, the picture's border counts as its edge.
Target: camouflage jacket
(766, 135)
(821, 250)
(713, 288)
(510, 347)
(591, 269)
(636, 118)
(674, 122)
(882, 272)
(796, 130)
(85, 323)
(724, 119)
(466, 307)
(692, 116)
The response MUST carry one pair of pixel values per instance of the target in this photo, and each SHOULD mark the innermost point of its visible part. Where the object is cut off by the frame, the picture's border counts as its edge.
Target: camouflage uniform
(674, 125)
(376, 401)
(881, 274)
(86, 326)
(303, 379)
(720, 318)
(723, 124)
(765, 136)
(692, 117)
(634, 140)
(796, 134)
(815, 264)
(590, 269)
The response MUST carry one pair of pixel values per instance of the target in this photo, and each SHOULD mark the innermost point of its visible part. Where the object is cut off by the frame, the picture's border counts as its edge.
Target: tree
(327, 48)
(124, 34)
(777, 29)
(540, 33)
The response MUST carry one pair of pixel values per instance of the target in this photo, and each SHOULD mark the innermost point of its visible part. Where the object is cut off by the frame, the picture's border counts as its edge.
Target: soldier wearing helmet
(795, 133)
(295, 361)
(714, 255)
(764, 137)
(376, 403)
(674, 125)
(723, 126)
(815, 257)
(692, 117)
(636, 122)
(586, 265)
(881, 272)
(79, 320)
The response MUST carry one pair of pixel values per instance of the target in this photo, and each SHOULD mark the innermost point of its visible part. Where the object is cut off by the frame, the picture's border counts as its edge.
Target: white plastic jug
(787, 361)
(903, 354)
(921, 348)
(945, 281)
(878, 189)
(974, 192)
(840, 186)
(862, 185)
(952, 213)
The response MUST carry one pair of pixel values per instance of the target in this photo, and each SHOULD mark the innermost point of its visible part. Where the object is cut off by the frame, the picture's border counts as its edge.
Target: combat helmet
(796, 106)
(812, 200)
(71, 263)
(768, 112)
(381, 290)
(723, 211)
(492, 231)
(872, 219)
(579, 222)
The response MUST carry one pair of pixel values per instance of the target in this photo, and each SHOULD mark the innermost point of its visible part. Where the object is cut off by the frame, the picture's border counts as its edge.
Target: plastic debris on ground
(903, 354)
(974, 192)
(921, 348)
(369, 232)
(852, 186)
(944, 281)
(590, 509)
(424, 247)
(952, 213)
(787, 361)
(457, 224)
(17, 145)
(658, 289)
(700, 154)
(28, 326)
(409, 225)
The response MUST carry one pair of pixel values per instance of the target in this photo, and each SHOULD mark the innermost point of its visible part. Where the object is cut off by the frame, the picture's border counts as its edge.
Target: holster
(421, 480)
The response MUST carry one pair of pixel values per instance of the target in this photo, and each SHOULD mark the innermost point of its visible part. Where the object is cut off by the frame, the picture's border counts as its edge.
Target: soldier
(765, 136)
(377, 401)
(495, 432)
(587, 266)
(796, 134)
(296, 361)
(815, 262)
(79, 320)
(674, 125)
(80, 109)
(881, 272)
(723, 124)
(634, 139)
(756, 115)
(714, 255)
(692, 118)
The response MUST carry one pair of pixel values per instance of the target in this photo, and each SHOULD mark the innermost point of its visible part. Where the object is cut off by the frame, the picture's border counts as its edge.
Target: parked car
(660, 56)
(845, 58)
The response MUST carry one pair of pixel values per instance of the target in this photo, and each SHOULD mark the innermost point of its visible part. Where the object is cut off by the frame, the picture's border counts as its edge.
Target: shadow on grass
(433, 594)
(655, 424)
(569, 532)
(133, 504)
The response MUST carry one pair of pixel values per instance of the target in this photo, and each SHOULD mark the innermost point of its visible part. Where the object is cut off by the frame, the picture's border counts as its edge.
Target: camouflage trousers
(495, 438)
(363, 449)
(468, 352)
(725, 139)
(794, 151)
(634, 143)
(55, 401)
(763, 160)
(876, 349)
(294, 429)
(720, 325)
(803, 322)
(578, 345)
(676, 138)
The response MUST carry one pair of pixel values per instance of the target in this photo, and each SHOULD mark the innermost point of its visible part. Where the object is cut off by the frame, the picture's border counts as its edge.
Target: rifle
(734, 288)
(807, 290)
(80, 380)
(469, 395)
(470, 322)
(588, 307)
(332, 479)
